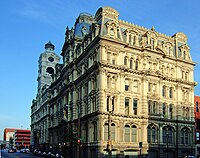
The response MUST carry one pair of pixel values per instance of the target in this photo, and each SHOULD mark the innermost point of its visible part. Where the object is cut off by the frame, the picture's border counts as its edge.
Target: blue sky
(26, 25)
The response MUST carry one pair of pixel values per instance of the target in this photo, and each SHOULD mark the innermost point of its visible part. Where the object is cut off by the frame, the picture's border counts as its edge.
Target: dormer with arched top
(132, 36)
(112, 28)
(106, 12)
(182, 48)
(150, 39)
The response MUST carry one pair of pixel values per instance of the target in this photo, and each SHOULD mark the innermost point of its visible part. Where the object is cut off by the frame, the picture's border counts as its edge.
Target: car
(11, 151)
(22, 151)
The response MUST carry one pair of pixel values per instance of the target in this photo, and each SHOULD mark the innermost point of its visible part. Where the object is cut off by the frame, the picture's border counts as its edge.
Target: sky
(27, 25)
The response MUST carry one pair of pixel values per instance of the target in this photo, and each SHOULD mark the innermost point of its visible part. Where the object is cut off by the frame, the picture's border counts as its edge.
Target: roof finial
(153, 29)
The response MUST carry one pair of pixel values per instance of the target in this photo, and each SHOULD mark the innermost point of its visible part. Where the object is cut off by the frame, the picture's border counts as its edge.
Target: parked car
(11, 150)
(22, 151)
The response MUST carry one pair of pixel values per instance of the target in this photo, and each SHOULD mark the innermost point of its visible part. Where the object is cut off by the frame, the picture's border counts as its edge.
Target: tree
(11, 142)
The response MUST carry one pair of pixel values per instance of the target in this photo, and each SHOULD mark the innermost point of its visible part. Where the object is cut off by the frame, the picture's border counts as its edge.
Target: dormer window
(112, 33)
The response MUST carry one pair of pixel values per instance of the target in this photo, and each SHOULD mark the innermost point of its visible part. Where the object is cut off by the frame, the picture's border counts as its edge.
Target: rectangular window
(113, 59)
(126, 87)
(125, 60)
(164, 109)
(171, 111)
(86, 88)
(163, 91)
(108, 57)
(113, 103)
(126, 106)
(149, 87)
(108, 100)
(154, 107)
(135, 86)
(131, 64)
(135, 104)
(170, 92)
(136, 64)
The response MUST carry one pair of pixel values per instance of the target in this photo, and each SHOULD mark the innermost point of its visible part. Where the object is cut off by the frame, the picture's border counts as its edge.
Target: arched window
(112, 131)
(133, 133)
(167, 135)
(94, 131)
(127, 133)
(185, 136)
(152, 134)
(106, 131)
(130, 133)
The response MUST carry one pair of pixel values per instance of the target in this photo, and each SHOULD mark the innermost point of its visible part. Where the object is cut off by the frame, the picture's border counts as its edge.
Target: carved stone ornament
(110, 13)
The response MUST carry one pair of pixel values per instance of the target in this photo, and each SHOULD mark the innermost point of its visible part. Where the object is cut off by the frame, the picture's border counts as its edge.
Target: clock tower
(46, 67)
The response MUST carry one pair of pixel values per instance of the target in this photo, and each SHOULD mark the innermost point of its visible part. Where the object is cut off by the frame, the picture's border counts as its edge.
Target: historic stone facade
(122, 90)
(40, 106)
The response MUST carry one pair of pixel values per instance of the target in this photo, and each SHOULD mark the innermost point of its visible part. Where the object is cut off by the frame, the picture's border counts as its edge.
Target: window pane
(127, 134)
(149, 135)
(106, 131)
(133, 134)
(112, 131)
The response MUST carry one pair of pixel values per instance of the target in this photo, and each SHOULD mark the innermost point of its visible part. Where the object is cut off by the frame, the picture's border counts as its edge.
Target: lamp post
(109, 136)
(78, 134)
(167, 136)
(1, 149)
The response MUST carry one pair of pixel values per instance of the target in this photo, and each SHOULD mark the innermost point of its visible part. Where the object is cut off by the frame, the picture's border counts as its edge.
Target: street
(5, 154)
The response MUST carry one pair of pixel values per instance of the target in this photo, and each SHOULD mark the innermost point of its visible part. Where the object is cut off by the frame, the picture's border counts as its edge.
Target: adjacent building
(197, 123)
(121, 90)
(8, 135)
(18, 138)
(22, 138)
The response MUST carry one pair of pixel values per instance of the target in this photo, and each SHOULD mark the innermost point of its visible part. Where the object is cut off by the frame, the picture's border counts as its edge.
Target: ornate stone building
(122, 90)
(40, 106)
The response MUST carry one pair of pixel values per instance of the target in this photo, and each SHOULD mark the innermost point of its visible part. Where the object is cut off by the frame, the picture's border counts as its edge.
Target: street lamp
(167, 136)
(109, 139)
(1, 148)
